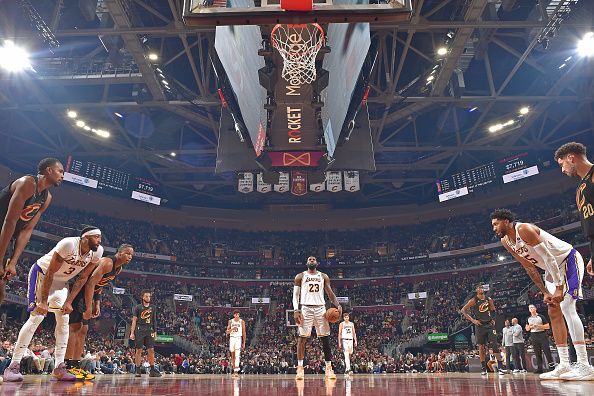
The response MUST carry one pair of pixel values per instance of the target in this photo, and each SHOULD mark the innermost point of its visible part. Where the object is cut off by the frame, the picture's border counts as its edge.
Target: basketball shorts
(486, 335)
(143, 337)
(314, 315)
(57, 294)
(78, 308)
(572, 273)
(234, 344)
(347, 345)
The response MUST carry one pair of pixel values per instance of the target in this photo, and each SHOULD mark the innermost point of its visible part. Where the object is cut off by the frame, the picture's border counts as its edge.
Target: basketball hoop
(298, 45)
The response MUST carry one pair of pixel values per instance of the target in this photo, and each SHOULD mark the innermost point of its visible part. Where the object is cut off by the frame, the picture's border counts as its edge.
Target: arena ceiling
(422, 130)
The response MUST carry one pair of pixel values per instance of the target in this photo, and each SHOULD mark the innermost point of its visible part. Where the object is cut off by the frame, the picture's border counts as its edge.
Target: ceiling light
(524, 110)
(120, 115)
(152, 56)
(495, 128)
(472, 109)
(80, 123)
(586, 45)
(562, 65)
(71, 114)
(165, 82)
(102, 133)
(13, 58)
(173, 154)
(441, 51)
(510, 122)
(87, 128)
(430, 78)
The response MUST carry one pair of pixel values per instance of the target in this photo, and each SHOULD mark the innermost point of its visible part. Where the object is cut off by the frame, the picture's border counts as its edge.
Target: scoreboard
(509, 169)
(112, 181)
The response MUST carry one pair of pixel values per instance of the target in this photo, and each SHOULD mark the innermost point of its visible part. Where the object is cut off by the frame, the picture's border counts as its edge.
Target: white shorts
(57, 295)
(234, 344)
(347, 346)
(572, 274)
(314, 316)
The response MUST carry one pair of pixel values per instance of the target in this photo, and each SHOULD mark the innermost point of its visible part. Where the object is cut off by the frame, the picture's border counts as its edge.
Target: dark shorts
(143, 338)
(486, 335)
(78, 308)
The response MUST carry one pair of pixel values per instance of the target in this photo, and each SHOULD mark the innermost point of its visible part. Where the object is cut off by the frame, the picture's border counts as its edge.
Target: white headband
(93, 232)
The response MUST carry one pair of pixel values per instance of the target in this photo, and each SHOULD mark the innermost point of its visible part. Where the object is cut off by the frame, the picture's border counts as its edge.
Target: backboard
(263, 12)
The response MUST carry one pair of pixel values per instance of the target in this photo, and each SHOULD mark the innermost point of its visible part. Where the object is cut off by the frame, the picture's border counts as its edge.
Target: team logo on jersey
(30, 211)
(484, 307)
(146, 314)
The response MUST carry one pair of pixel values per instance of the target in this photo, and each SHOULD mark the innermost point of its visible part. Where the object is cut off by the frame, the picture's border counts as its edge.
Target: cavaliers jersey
(30, 208)
(236, 328)
(347, 330)
(108, 277)
(145, 317)
(558, 248)
(585, 200)
(312, 289)
(74, 261)
(482, 311)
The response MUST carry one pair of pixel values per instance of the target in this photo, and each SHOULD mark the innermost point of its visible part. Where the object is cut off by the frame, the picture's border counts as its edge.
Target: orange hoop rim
(302, 26)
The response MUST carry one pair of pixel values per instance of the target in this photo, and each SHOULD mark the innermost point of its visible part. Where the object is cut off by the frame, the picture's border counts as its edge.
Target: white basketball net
(298, 45)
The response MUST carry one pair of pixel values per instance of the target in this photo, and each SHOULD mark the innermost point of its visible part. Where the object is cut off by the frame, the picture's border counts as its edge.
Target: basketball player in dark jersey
(22, 203)
(84, 303)
(484, 321)
(573, 161)
(144, 332)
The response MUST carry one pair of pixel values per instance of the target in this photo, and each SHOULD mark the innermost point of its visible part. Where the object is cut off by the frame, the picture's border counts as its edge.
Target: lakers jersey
(348, 329)
(558, 248)
(236, 328)
(30, 207)
(74, 261)
(585, 200)
(312, 289)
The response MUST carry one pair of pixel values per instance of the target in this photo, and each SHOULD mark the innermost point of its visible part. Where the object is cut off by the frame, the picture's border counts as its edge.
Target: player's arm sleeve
(296, 295)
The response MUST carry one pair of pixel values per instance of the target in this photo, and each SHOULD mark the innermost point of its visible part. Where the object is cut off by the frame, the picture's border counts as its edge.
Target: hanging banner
(118, 290)
(334, 181)
(283, 183)
(298, 183)
(351, 181)
(182, 297)
(245, 184)
(417, 295)
(262, 187)
(317, 187)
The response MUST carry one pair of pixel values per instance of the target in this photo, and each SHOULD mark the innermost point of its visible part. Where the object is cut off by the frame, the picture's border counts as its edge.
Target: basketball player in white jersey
(310, 310)
(236, 331)
(564, 270)
(48, 290)
(347, 339)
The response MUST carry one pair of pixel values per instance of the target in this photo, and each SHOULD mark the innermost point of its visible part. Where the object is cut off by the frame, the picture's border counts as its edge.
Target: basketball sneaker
(81, 374)
(154, 373)
(579, 372)
(330, 374)
(12, 373)
(484, 372)
(556, 374)
(300, 373)
(61, 373)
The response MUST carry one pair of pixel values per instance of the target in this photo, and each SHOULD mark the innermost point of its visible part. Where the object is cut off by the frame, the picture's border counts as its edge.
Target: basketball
(333, 315)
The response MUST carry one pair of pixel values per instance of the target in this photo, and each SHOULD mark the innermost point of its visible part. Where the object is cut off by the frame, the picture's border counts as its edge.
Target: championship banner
(417, 295)
(245, 183)
(283, 183)
(298, 183)
(334, 181)
(351, 181)
(118, 290)
(182, 297)
(262, 187)
(260, 300)
(294, 158)
(317, 187)
(342, 299)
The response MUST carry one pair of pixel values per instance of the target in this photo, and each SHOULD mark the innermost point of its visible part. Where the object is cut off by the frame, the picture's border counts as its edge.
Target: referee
(144, 332)
(537, 326)
(573, 161)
